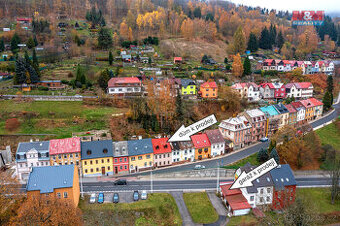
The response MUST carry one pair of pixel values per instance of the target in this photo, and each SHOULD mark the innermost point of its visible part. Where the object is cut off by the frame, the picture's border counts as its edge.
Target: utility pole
(151, 181)
(218, 177)
(81, 184)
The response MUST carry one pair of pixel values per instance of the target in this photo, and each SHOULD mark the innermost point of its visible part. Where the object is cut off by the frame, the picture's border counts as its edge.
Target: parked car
(198, 167)
(264, 139)
(120, 182)
(115, 198)
(135, 196)
(93, 198)
(101, 198)
(144, 195)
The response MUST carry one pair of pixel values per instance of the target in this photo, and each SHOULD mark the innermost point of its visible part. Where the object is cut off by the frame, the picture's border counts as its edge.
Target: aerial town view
(169, 112)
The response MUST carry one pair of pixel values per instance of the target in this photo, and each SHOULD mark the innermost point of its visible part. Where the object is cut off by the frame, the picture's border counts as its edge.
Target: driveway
(220, 209)
(183, 210)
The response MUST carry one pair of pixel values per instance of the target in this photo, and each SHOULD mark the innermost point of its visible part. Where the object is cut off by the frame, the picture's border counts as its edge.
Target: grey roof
(181, 145)
(48, 178)
(38, 145)
(264, 181)
(96, 149)
(140, 147)
(281, 108)
(215, 136)
(120, 148)
(282, 176)
(187, 82)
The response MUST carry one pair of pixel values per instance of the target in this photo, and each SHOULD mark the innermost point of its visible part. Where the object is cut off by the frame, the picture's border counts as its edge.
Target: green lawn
(240, 220)
(158, 209)
(330, 135)
(200, 208)
(56, 117)
(251, 159)
(322, 195)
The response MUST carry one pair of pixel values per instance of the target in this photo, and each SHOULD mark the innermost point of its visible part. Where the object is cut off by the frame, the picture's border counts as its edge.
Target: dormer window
(166, 146)
(88, 152)
(105, 151)
(18, 156)
(157, 147)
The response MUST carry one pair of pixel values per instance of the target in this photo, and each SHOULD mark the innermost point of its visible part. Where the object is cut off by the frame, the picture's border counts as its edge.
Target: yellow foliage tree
(237, 67)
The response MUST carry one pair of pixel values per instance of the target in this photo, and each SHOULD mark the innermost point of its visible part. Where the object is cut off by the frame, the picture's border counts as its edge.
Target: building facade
(188, 87)
(209, 90)
(182, 151)
(140, 155)
(124, 85)
(283, 113)
(162, 155)
(31, 154)
(258, 121)
(65, 151)
(60, 181)
(217, 142)
(97, 158)
(120, 157)
(202, 146)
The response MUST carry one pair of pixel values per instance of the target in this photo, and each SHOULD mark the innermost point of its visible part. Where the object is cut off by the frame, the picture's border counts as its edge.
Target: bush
(43, 88)
(65, 82)
(12, 124)
(70, 75)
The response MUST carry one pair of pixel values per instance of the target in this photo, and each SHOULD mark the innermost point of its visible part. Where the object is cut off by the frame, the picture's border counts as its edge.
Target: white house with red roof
(267, 90)
(299, 89)
(124, 85)
(248, 90)
(65, 151)
(236, 203)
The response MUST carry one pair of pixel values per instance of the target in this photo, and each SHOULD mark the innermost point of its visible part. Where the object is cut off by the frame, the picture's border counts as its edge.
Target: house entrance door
(103, 170)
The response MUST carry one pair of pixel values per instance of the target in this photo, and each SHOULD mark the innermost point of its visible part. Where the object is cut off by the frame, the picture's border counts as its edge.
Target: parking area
(124, 197)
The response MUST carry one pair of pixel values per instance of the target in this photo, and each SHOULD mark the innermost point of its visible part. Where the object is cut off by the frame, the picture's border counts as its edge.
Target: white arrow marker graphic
(246, 179)
(184, 133)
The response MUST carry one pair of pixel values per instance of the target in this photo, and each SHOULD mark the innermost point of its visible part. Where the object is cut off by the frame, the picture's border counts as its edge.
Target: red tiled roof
(315, 101)
(290, 108)
(177, 58)
(160, 145)
(238, 202)
(209, 85)
(63, 146)
(307, 103)
(297, 104)
(303, 85)
(123, 80)
(225, 190)
(271, 86)
(200, 141)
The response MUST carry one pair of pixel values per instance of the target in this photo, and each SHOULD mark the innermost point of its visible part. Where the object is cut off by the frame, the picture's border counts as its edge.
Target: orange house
(208, 90)
(61, 182)
(310, 108)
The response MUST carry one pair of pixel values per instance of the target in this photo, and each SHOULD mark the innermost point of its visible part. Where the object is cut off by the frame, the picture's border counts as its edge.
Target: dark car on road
(135, 196)
(120, 182)
(115, 198)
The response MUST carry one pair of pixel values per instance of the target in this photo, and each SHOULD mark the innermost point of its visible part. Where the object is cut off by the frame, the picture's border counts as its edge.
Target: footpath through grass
(158, 209)
(330, 134)
(200, 208)
(55, 117)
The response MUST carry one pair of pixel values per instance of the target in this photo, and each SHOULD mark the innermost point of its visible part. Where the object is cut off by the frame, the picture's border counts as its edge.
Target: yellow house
(140, 155)
(309, 109)
(97, 158)
(188, 87)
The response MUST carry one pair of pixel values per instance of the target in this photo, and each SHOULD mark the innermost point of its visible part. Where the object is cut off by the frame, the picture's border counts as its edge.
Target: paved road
(213, 163)
(183, 185)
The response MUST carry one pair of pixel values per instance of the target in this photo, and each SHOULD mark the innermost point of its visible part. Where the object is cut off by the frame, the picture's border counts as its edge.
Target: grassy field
(330, 135)
(158, 209)
(240, 220)
(322, 195)
(251, 159)
(55, 117)
(200, 208)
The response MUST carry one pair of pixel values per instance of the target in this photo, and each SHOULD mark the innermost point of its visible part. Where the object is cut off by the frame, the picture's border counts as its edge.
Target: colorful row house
(217, 142)
(161, 152)
(140, 155)
(202, 146)
(120, 157)
(209, 90)
(97, 158)
(65, 151)
(258, 121)
(273, 119)
(182, 151)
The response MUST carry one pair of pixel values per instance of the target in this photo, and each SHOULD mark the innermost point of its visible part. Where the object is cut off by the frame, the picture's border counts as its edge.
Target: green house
(188, 87)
